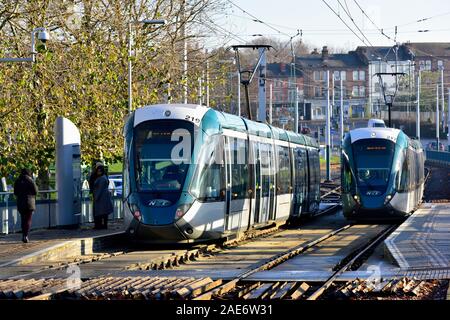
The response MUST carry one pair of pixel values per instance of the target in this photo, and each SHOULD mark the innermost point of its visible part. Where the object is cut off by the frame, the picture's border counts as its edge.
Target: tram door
(227, 218)
(237, 208)
(257, 178)
(301, 178)
(272, 198)
(267, 185)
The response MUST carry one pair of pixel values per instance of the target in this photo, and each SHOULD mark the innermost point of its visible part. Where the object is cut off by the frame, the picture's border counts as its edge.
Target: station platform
(53, 244)
(423, 240)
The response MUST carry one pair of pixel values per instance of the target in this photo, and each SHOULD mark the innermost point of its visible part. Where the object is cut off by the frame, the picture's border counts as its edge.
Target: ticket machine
(68, 173)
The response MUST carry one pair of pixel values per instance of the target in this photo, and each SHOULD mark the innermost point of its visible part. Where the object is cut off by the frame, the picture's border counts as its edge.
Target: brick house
(283, 90)
(348, 66)
(432, 56)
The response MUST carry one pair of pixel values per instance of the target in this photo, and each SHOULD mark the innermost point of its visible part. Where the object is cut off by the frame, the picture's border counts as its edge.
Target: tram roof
(216, 120)
(233, 122)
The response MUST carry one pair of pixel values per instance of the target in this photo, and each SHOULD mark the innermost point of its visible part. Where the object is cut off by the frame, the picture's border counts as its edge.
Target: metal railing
(438, 157)
(45, 214)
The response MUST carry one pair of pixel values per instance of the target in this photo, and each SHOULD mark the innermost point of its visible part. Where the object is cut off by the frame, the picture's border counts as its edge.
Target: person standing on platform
(103, 205)
(25, 191)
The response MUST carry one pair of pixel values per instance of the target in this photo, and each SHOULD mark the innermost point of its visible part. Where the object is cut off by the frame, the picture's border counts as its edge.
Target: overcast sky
(321, 26)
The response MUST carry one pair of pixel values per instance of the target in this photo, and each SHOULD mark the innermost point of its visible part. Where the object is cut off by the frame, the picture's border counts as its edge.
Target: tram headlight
(387, 199)
(356, 198)
(136, 212)
(182, 209)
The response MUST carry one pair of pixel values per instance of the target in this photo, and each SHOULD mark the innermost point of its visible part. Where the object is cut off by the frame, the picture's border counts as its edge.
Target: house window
(338, 75)
(377, 87)
(428, 65)
(362, 75)
(358, 91)
(421, 65)
(440, 64)
(317, 91)
(362, 91)
(359, 75)
(319, 75)
(337, 92)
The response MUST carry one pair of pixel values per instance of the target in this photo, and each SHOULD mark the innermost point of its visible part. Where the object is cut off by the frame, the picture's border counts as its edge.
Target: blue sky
(321, 26)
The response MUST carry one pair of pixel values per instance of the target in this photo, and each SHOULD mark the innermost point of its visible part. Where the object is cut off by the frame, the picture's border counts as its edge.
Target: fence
(45, 214)
(438, 157)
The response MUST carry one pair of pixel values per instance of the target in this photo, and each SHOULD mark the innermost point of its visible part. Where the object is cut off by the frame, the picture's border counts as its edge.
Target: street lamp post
(130, 36)
(42, 35)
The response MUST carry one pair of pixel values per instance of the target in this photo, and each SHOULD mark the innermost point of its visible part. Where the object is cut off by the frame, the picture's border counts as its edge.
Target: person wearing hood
(103, 205)
(25, 191)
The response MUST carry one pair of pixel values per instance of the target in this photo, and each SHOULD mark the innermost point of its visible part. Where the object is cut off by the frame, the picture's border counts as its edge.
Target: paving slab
(55, 244)
(423, 240)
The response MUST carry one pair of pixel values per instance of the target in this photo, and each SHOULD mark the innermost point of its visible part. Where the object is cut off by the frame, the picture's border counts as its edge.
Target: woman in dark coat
(25, 191)
(103, 205)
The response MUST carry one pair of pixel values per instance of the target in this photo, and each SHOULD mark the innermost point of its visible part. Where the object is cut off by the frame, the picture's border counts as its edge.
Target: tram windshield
(159, 166)
(373, 160)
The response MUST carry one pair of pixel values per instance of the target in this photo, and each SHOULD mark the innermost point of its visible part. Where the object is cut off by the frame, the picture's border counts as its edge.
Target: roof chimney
(324, 52)
(315, 51)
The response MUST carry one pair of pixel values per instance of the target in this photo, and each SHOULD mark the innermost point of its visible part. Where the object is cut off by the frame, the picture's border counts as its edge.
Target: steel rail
(367, 247)
(269, 263)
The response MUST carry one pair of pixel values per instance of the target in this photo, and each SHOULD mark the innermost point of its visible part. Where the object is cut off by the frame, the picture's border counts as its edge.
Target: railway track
(183, 275)
(166, 259)
(330, 193)
(170, 258)
(203, 287)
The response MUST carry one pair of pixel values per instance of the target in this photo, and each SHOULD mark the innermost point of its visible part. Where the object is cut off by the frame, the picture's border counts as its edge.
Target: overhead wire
(347, 12)
(256, 19)
(371, 21)
(343, 21)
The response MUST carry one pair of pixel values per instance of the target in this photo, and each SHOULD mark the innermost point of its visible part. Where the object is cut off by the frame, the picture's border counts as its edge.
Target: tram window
(299, 156)
(209, 180)
(155, 169)
(412, 172)
(373, 161)
(284, 171)
(266, 167)
(239, 168)
(300, 173)
(404, 179)
(317, 168)
(347, 176)
(418, 172)
(314, 167)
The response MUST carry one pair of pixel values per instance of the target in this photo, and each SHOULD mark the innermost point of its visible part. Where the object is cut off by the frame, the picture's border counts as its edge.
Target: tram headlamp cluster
(356, 198)
(182, 209)
(388, 198)
(136, 212)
